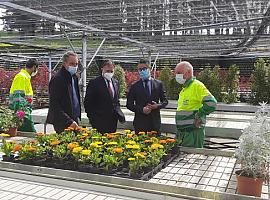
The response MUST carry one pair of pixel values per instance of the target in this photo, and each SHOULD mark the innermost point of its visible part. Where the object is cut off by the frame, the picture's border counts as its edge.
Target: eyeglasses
(142, 69)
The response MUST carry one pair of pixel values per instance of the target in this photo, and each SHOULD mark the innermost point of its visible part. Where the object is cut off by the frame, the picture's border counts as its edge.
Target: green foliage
(260, 84)
(171, 86)
(119, 74)
(231, 85)
(175, 89)
(165, 76)
(211, 79)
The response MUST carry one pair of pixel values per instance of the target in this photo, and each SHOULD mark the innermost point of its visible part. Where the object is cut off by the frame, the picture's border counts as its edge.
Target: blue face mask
(72, 70)
(144, 74)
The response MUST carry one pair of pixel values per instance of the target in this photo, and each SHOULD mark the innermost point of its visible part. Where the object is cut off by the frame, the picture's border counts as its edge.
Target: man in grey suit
(145, 98)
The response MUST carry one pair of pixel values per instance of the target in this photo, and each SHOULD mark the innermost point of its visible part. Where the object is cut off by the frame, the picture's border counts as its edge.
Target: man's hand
(153, 105)
(146, 110)
(198, 121)
(74, 125)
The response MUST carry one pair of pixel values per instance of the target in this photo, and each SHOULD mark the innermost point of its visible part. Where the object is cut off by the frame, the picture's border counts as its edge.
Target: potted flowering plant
(10, 120)
(254, 154)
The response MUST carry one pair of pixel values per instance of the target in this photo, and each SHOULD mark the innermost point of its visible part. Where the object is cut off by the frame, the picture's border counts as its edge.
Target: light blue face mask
(144, 74)
(72, 70)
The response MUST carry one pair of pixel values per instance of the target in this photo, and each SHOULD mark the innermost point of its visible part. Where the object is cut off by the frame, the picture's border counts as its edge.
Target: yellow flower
(112, 143)
(77, 150)
(139, 154)
(94, 145)
(98, 143)
(130, 159)
(135, 146)
(95, 137)
(86, 152)
(84, 129)
(131, 142)
(127, 131)
(156, 146)
(4, 135)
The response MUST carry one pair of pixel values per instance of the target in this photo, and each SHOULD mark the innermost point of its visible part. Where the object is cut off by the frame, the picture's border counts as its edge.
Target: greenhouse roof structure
(127, 30)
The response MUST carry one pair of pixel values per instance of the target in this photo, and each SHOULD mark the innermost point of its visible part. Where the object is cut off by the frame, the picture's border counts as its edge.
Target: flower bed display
(122, 153)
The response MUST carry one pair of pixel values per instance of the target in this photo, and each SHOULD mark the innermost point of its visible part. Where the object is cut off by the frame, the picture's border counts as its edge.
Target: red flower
(29, 99)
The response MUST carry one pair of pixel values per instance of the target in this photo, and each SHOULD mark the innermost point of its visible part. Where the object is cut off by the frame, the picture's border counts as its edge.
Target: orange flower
(40, 134)
(33, 142)
(72, 145)
(163, 141)
(110, 136)
(141, 133)
(69, 129)
(32, 149)
(170, 140)
(147, 141)
(17, 147)
(130, 135)
(55, 142)
(118, 150)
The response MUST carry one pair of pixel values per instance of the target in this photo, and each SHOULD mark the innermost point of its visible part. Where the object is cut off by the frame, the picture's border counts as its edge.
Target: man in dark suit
(145, 98)
(64, 95)
(102, 100)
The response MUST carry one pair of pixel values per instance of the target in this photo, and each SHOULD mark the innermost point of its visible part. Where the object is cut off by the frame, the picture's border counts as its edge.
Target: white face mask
(108, 75)
(180, 78)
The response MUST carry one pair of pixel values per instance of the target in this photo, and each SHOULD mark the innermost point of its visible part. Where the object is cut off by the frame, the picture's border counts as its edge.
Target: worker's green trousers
(191, 138)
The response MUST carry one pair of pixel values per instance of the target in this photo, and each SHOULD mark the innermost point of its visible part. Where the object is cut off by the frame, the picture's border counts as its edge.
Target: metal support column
(50, 67)
(84, 56)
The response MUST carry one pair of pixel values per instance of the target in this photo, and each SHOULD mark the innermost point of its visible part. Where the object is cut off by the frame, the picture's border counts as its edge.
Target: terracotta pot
(249, 186)
(12, 131)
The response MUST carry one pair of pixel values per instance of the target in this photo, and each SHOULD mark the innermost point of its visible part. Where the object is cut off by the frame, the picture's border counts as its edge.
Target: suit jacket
(137, 99)
(61, 113)
(102, 110)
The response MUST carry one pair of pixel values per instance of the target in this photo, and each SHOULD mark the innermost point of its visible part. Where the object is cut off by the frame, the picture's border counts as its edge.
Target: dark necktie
(146, 87)
(110, 88)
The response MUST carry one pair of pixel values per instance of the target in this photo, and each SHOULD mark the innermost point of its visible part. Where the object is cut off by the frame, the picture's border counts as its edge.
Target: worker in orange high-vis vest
(194, 103)
(21, 94)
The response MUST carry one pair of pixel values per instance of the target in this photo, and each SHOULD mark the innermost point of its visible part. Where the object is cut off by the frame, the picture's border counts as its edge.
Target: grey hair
(187, 66)
(67, 54)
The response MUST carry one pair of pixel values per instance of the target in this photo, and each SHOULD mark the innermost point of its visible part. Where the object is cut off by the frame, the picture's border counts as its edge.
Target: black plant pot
(26, 161)
(85, 168)
(8, 158)
(70, 165)
(135, 175)
(175, 150)
(166, 157)
(39, 162)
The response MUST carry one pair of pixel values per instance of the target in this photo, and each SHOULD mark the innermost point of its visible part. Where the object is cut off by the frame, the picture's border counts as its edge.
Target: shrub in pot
(254, 154)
